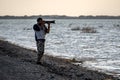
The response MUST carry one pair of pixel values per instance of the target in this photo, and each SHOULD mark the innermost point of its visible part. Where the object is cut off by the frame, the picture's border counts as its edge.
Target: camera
(50, 22)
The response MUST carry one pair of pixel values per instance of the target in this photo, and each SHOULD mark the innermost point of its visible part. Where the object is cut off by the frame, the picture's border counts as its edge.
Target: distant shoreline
(60, 17)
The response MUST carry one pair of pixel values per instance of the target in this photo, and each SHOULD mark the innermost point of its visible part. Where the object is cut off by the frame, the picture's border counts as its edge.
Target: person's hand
(43, 22)
(48, 24)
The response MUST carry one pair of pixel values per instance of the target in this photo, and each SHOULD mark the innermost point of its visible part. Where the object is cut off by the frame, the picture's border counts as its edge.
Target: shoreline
(19, 63)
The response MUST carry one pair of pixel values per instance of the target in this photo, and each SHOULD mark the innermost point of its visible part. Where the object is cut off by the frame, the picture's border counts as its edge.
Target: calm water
(99, 51)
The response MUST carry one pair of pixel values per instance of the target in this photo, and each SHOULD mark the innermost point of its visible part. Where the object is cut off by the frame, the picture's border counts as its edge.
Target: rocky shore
(17, 63)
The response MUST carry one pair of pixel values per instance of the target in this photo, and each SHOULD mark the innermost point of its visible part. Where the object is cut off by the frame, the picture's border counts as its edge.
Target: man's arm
(48, 29)
(36, 28)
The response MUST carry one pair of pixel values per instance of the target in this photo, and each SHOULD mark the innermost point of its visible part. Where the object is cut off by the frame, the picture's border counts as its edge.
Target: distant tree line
(99, 17)
(60, 17)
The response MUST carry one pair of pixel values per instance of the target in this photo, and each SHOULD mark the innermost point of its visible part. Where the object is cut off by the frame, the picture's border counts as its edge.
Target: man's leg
(40, 48)
(39, 56)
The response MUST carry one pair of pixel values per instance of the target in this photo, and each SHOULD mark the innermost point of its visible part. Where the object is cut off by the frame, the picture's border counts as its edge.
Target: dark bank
(17, 63)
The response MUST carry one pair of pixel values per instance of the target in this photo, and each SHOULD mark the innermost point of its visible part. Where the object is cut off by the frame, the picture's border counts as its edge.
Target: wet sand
(17, 63)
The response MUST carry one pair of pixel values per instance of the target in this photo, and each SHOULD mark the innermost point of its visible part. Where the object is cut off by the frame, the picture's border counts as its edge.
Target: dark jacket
(36, 28)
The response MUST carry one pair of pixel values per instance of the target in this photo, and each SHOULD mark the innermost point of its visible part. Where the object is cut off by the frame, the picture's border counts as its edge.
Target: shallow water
(100, 50)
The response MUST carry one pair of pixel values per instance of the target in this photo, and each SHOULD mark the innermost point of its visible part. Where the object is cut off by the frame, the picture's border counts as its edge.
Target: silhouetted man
(40, 32)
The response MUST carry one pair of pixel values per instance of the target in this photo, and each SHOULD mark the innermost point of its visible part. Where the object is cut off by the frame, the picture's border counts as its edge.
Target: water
(99, 51)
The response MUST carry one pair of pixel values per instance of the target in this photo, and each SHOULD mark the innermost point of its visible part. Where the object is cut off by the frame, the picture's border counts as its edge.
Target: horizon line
(57, 15)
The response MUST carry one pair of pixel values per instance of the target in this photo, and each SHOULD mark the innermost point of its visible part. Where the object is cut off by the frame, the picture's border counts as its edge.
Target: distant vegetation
(89, 30)
(85, 29)
(60, 17)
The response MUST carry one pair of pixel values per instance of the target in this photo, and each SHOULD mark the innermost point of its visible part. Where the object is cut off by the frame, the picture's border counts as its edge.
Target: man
(40, 32)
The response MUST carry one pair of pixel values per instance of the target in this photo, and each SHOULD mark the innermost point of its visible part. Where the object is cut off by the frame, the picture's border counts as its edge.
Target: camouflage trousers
(40, 48)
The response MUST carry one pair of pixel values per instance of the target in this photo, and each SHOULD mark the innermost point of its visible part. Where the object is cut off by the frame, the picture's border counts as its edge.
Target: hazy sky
(60, 7)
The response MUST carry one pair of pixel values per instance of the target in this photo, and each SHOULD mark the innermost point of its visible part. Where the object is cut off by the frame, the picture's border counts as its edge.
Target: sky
(60, 7)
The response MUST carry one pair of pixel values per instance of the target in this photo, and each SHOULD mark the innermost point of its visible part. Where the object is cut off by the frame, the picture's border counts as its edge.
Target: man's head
(40, 21)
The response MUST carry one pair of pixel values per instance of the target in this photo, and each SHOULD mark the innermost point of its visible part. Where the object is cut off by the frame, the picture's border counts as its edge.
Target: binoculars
(50, 22)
